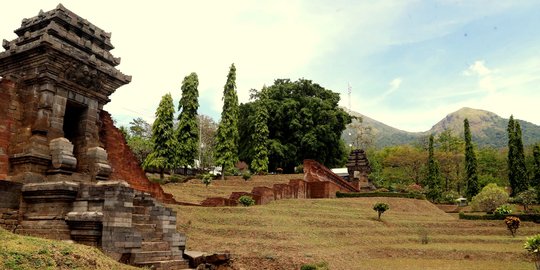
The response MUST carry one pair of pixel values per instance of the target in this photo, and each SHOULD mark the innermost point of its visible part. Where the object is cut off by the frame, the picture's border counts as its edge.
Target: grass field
(29, 253)
(345, 233)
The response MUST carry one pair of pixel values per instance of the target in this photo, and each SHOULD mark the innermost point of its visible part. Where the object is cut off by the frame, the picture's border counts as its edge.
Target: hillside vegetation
(22, 252)
(487, 129)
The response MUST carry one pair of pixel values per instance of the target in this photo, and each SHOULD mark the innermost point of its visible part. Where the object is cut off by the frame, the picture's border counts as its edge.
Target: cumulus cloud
(478, 68)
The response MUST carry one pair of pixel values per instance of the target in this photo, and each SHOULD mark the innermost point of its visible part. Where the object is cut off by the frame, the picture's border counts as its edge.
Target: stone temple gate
(55, 78)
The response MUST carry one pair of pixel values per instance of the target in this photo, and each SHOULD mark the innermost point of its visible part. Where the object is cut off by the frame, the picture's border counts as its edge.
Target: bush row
(380, 194)
(522, 216)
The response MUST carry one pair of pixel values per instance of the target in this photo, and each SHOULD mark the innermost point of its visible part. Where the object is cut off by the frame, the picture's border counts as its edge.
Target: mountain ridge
(487, 129)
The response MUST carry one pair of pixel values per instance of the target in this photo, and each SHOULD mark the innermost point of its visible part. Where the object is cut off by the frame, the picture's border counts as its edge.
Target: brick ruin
(318, 182)
(66, 171)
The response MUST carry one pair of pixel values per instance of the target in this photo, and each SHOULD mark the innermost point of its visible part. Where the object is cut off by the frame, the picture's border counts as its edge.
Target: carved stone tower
(63, 73)
(55, 78)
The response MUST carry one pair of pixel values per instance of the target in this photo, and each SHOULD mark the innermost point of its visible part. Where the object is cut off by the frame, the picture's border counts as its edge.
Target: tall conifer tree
(511, 153)
(536, 168)
(521, 174)
(187, 132)
(259, 164)
(432, 182)
(226, 148)
(163, 153)
(517, 171)
(470, 163)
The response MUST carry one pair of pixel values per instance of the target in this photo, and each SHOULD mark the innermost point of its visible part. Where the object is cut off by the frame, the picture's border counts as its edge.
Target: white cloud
(478, 68)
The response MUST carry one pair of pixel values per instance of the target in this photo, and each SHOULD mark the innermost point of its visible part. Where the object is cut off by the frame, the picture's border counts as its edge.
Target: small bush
(299, 169)
(175, 178)
(512, 224)
(526, 198)
(318, 266)
(491, 197)
(246, 176)
(246, 200)
(207, 179)
(532, 245)
(503, 210)
(380, 207)
(449, 197)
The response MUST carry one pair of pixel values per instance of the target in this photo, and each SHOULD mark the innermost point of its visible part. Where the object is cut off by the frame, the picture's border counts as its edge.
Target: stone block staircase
(162, 247)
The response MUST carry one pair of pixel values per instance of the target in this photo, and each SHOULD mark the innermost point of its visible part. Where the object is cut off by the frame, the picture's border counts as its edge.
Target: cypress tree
(226, 148)
(536, 168)
(470, 163)
(432, 182)
(164, 144)
(521, 175)
(187, 132)
(259, 164)
(511, 153)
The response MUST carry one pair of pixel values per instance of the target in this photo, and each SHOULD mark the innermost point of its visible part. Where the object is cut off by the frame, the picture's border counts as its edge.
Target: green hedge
(380, 194)
(523, 217)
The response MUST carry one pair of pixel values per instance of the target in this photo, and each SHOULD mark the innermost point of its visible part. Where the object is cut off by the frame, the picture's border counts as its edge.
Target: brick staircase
(162, 247)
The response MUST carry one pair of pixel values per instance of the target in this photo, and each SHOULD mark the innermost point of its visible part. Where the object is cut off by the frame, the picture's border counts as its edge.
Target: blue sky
(409, 63)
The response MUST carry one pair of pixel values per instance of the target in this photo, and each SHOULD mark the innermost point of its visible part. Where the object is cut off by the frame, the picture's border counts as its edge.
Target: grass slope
(23, 252)
(345, 233)
(194, 191)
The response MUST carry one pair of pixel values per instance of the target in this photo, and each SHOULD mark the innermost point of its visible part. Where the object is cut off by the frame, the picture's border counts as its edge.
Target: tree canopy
(471, 164)
(304, 122)
(164, 143)
(226, 144)
(517, 171)
(187, 132)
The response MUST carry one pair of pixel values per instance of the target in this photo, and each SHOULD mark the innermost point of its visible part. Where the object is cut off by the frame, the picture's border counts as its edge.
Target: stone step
(155, 246)
(145, 227)
(165, 265)
(154, 256)
(139, 218)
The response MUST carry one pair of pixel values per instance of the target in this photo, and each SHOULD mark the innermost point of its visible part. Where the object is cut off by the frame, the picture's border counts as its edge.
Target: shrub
(299, 169)
(382, 190)
(503, 210)
(318, 266)
(207, 179)
(175, 178)
(491, 197)
(512, 223)
(380, 207)
(526, 198)
(449, 197)
(532, 245)
(246, 176)
(246, 200)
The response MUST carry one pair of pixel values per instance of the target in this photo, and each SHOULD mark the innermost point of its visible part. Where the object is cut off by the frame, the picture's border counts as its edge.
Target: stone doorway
(73, 127)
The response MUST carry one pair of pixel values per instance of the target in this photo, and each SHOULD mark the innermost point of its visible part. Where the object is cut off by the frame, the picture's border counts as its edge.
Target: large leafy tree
(259, 164)
(187, 132)
(517, 171)
(164, 143)
(449, 158)
(208, 129)
(139, 138)
(226, 144)
(432, 181)
(304, 121)
(471, 164)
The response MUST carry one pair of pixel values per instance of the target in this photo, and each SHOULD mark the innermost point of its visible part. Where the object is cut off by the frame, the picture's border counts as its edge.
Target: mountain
(487, 129)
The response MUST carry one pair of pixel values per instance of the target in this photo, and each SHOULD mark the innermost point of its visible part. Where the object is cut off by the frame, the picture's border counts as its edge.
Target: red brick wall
(314, 171)
(265, 194)
(298, 188)
(324, 189)
(6, 121)
(124, 163)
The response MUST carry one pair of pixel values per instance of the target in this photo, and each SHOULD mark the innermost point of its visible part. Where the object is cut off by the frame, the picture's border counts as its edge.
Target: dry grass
(23, 252)
(194, 191)
(345, 233)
